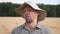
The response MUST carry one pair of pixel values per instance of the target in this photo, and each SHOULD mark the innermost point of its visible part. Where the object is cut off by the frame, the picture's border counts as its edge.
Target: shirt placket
(30, 32)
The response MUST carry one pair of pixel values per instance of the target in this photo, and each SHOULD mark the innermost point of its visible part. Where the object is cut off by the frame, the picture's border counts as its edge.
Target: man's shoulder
(46, 30)
(42, 27)
(18, 27)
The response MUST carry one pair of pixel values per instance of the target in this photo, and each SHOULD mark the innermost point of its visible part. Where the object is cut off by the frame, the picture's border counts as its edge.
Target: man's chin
(29, 21)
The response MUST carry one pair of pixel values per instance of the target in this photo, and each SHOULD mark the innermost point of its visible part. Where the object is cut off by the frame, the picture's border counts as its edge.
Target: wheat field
(8, 23)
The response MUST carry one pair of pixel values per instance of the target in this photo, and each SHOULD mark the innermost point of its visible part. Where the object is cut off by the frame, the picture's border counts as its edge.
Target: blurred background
(7, 7)
(9, 19)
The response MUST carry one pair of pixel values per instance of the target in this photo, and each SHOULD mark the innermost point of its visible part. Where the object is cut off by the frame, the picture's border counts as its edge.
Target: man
(32, 14)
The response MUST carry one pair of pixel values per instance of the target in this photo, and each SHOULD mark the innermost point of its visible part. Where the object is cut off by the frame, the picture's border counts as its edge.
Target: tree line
(8, 9)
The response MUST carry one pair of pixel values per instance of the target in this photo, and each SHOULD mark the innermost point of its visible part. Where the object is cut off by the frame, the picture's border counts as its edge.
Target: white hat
(42, 14)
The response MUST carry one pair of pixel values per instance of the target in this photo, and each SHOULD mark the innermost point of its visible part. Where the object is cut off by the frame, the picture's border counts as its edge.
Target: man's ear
(37, 12)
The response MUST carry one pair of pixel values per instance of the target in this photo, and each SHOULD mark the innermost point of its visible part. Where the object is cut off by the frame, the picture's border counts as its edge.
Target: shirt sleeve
(46, 30)
(13, 32)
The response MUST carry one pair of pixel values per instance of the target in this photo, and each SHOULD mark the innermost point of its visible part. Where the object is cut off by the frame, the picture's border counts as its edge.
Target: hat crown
(33, 5)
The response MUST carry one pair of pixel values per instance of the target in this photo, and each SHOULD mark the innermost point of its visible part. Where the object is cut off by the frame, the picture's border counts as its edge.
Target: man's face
(29, 14)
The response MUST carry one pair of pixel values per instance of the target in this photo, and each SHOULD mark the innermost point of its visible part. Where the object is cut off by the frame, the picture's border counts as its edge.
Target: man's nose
(26, 12)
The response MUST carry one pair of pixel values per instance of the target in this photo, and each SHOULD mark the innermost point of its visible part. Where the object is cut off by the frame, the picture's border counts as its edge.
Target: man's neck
(32, 24)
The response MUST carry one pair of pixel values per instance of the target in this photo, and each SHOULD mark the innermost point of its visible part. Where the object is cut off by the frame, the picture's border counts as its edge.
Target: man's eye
(30, 10)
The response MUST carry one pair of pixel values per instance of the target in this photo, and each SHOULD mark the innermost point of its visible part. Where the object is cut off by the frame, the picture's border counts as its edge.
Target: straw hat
(42, 14)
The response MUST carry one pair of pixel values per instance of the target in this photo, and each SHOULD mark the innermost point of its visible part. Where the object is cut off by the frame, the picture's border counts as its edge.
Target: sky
(52, 2)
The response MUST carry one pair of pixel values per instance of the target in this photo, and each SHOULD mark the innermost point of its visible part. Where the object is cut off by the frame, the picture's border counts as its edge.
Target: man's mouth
(27, 17)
